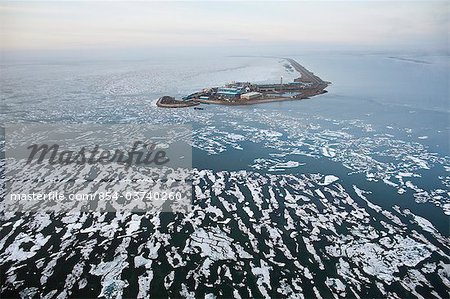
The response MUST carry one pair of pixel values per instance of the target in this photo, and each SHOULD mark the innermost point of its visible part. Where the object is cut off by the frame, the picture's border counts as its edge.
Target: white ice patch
(421, 163)
(328, 152)
(329, 179)
(262, 275)
(214, 244)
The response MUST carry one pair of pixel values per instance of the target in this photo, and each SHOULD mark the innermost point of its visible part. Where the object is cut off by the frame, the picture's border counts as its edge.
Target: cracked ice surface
(326, 242)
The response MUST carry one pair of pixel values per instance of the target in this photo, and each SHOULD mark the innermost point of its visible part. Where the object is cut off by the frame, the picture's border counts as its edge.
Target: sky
(85, 25)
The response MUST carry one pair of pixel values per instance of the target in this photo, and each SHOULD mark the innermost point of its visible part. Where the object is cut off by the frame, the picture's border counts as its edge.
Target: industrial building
(229, 92)
(251, 95)
(292, 86)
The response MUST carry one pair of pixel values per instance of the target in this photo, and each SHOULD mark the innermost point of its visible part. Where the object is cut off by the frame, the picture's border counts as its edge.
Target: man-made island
(246, 93)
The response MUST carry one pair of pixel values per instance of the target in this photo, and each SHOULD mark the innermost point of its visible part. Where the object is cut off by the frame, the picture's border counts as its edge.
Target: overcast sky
(75, 25)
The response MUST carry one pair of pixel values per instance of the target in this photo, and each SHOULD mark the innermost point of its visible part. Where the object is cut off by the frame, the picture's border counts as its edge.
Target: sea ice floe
(262, 274)
(328, 152)
(329, 179)
(213, 244)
